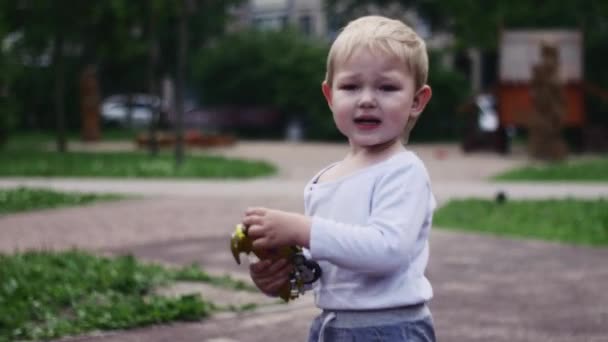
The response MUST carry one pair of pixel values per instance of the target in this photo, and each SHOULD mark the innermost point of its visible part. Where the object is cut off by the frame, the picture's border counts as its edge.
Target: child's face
(372, 97)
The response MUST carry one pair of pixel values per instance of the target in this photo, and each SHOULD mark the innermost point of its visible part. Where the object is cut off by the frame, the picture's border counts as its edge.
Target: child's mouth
(367, 122)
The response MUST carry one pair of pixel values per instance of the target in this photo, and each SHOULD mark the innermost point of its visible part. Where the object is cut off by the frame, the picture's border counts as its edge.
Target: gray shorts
(412, 324)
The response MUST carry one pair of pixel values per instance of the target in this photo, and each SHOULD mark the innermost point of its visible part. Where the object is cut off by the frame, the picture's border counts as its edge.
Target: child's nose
(367, 98)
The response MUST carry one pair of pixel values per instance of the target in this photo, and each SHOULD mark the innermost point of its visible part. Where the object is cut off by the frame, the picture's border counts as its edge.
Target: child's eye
(348, 86)
(389, 87)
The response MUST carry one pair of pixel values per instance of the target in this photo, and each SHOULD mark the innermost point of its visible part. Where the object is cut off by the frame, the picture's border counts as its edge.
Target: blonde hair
(385, 35)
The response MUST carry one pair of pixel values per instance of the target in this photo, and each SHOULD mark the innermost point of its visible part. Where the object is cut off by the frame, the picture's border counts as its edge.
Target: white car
(115, 109)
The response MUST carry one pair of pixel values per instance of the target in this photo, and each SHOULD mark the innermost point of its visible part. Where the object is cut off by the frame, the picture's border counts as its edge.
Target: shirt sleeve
(399, 209)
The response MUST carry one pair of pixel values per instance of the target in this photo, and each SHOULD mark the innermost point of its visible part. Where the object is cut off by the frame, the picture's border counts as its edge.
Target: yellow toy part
(305, 271)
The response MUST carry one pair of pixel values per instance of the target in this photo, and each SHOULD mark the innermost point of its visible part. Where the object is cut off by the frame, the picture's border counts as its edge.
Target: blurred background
(136, 126)
(163, 72)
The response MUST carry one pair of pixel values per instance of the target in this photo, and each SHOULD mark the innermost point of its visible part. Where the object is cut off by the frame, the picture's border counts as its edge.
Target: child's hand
(270, 276)
(270, 228)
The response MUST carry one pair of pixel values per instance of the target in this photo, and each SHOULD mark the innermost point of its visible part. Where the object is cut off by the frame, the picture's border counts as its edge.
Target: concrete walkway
(486, 288)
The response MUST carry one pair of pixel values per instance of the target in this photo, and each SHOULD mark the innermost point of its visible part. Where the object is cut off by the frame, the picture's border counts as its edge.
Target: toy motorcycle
(304, 271)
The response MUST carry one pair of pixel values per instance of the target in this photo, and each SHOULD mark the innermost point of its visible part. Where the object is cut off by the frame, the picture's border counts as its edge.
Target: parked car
(244, 121)
(234, 119)
(115, 109)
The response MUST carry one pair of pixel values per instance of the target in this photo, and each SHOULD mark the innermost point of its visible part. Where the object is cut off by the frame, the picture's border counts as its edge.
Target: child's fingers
(266, 268)
(254, 231)
(260, 266)
(260, 241)
(277, 265)
(273, 282)
(275, 286)
(277, 269)
(256, 211)
(251, 220)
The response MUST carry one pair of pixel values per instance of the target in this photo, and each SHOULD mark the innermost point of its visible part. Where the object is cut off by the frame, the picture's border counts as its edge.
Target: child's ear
(326, 89)
(421, 98)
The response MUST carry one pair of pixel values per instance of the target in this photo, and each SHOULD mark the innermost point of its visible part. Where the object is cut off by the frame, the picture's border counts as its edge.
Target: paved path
(486, 288)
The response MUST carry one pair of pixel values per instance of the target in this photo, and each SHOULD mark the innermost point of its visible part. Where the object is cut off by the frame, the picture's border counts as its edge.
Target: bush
(439, 121)
(597, 75)
(7, 118)
(9, 70)
(280, 70)
(35, 90)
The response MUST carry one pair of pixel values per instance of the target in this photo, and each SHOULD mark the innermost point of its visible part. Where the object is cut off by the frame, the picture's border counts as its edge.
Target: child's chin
(371, 143)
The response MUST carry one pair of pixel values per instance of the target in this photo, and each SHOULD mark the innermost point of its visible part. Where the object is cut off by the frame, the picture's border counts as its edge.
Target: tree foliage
(9, 70)
(439, 121)
(478, 22)
(281, 70)
(113, 35)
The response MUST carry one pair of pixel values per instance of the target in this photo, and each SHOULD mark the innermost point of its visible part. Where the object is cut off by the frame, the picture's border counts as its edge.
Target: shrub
(440, 120)
(276, 69)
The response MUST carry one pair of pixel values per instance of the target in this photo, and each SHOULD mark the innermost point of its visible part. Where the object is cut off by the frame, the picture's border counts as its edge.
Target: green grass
(194, 273)
(126, 165)
(41, 140)
(564, 220)
(32, 154)
(46, 295)
(27, 141)
(27, 199)
(588, 170)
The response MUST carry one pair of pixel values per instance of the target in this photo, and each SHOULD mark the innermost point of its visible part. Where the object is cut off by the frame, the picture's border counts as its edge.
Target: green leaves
(47, 295)
(478, 22)
(281, 70)
(439, 121)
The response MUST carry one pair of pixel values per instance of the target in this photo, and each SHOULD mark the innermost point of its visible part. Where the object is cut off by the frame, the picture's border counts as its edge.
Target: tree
(282, 70)
(153, 14)
(60, 29)
(184, 10)
(9, 70)
(477, 22)
(112, 34)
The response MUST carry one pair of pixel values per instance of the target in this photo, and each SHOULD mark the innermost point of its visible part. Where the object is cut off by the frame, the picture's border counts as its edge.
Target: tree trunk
(182, 50)
(5, 118)
(152, 81)
(89, 104)
(58, 63)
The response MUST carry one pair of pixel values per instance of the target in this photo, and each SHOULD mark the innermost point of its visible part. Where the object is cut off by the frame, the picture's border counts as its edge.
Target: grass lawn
(125, 165)
(588, 170)
(40, 140)
(26, 199)
(32, 154)
(47, 295)
(564, 220)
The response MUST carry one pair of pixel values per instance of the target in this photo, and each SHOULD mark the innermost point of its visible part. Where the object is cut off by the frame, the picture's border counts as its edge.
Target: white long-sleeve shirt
(370, 233)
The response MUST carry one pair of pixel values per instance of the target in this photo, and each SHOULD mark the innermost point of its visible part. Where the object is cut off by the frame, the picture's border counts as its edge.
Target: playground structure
(520, 52)
(525, 97)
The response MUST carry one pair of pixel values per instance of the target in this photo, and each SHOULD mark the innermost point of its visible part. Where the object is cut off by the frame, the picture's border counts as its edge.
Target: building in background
(311, 17)
(308, 16)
